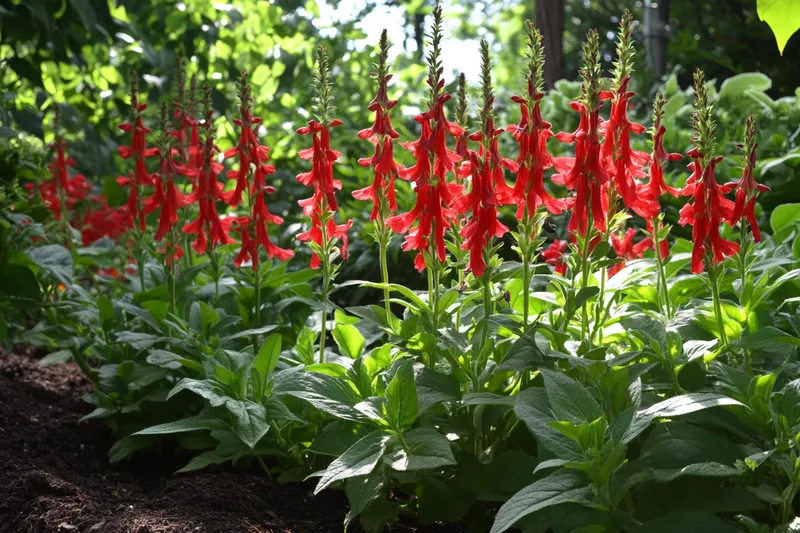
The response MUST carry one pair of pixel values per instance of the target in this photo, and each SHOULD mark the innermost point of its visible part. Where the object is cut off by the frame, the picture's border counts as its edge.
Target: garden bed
(55, 475)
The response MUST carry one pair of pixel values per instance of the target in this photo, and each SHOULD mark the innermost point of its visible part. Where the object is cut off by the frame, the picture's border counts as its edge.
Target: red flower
(139, 151)
(489, 190)
(165, 196)
(101, 220)
(208, 226)
(532, 133)
(554, 255)
(62, 187)
(435, 197)
(322, 204)
(584, 173)
(747, 189)
(657, 186)
(251, 153)
(382, 135)
(625, 249)
(709, 210)
(625, 163)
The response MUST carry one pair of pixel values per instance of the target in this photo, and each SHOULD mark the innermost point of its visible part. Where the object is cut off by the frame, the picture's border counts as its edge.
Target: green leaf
(569, 400)
(765, 339)
(783, 17)
(193, 423)
(533, 408)
(172, 361)
(402, 406)
(434, 387)
(250, 420)
(19, 281)
(427, 449)
(563, 486)
(687, 403)
(783, 216)
(211, 457)
(203, 388)
(349, 340)
(363, 490)
(359, 460)
(334, 396)
(55, 259)
(268, 355)
(137, 340)
(584, 294)
(735, 86)
(61, 356)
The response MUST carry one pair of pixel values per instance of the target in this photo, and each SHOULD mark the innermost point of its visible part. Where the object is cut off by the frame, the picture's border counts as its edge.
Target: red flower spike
(709, 209)
(251, 153)
(584, 173)
(382, 135)
(746, 188)
(627, 250)
(554, 255)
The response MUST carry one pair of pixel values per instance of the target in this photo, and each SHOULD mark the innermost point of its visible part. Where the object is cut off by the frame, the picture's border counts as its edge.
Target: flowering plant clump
(604, 376)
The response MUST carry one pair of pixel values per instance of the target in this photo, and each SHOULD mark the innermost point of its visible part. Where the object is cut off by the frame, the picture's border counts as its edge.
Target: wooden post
(550, 22)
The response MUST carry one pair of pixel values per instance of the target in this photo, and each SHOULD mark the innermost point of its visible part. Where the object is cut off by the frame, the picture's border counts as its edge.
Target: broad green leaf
(61, 356)
(783, 17)
(173, 361)
(363, 490)
(563, 486)
(569, 400)
(687, 403)
(734, 87)
(193, 423)
(765, 339)
(784, 216)
(334, 396)
(55, 259)
(349, 340)
(137, 340)
(434, 387)
(211, 457)
(427, 449)
(250, 420)
(19, 281)
(359, 460)
(268, 355)
(204, 388)
(402, 406)
(127, 446)
(487, 398)
(533, 408)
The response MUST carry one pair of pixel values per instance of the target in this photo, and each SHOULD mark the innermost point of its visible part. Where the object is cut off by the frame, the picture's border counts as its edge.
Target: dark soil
(55, 476)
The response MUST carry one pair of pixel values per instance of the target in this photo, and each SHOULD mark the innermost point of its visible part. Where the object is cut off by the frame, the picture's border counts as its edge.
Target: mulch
(55, 475)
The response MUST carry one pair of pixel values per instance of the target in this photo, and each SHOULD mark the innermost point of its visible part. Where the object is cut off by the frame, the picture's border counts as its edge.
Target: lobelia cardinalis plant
(321, 207)
(381, 192)
(435, 196)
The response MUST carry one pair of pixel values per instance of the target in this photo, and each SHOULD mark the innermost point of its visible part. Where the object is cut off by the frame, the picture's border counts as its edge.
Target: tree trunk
(550, 21)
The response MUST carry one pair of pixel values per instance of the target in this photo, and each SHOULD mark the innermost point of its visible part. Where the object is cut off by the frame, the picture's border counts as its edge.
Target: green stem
(715, 295)
(264, 468)
(585, 277)
(383, 245)
(257, 310)
(172, 245)
(326, 280)
(663, 288)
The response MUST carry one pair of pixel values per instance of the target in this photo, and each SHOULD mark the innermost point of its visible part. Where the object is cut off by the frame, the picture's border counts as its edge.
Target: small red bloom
(584, 173)
(625, 164)
(747, 189)
(554, 255)
(320, 177)
(532, 133)
(625, 249)
(139, 151)
(657, 186)
(382, 135)
(165, 196)
(709, 209)
(208, 226)
(435, 197)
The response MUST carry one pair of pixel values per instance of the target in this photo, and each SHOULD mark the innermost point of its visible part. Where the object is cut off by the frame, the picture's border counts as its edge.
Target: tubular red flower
(709, 209)
(323, 200)
(532, 133)
(208, 226)
(624, 163)
(657, 186)
(747, 190)
(432, 211)
(251, 153)
(165, 196)
(625, 249)
(139, 151)
(584, 173)
(488, 191)
(382, 135)
(554, 255)
(72, 189)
